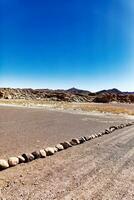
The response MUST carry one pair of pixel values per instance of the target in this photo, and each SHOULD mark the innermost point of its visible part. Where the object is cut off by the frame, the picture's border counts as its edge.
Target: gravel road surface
(100, 169)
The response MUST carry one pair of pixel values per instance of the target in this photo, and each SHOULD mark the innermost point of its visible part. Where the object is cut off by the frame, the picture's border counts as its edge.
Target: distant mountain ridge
(111, 91)
(69, 95)
(114, 91)
(78, 91)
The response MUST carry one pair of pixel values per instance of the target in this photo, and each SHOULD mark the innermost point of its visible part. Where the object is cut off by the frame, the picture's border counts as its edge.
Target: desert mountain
(110, 91)
(70, 95)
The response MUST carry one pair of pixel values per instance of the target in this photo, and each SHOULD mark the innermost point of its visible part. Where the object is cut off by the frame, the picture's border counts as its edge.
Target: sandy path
(99, 169)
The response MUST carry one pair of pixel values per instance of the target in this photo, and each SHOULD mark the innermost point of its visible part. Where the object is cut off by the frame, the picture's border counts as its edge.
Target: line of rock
(28, 157)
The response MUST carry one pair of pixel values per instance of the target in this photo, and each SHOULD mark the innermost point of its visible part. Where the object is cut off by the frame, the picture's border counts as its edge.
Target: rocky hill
(111, 91)
(70, 95)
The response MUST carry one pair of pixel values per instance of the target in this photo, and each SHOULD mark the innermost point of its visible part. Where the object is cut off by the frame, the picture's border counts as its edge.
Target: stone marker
(50, 151)
(107, 131)
(112, 128)
(59, 147)
(88, 138)
(96, 135)
(3, 164)
(13, 161)
(43, 153)
(122, 126)
(82, 140)
(21, 159)
(36, 154)
(28, 157)
(99, 134)
(75, 141)
(129, 124)
(66, 144)
(55, 149)
(93, 136)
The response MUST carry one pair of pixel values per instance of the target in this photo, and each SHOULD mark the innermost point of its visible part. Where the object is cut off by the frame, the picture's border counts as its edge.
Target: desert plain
(98, 169)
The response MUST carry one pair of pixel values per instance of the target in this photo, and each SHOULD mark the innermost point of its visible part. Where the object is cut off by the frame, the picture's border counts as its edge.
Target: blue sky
(87, 44)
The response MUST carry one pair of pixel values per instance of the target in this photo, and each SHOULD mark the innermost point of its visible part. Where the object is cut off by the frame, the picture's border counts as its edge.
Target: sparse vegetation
(115, 108)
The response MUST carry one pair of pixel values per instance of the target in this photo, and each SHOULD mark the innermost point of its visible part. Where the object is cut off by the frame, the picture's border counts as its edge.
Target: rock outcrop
(71, 95)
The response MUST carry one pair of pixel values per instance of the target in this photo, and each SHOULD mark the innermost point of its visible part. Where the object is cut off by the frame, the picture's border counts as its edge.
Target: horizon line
(33, 88)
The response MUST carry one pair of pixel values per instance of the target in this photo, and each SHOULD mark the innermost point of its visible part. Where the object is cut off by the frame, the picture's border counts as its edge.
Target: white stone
(43, 153)
(3, 164)
(59, 147)
(12, 161)
(50, 151)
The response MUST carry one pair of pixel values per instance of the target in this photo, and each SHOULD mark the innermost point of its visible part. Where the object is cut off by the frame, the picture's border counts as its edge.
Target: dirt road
(101, 169)
(28, 129)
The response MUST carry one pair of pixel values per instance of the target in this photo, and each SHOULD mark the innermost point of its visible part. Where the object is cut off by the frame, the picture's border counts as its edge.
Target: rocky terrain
(70, 95)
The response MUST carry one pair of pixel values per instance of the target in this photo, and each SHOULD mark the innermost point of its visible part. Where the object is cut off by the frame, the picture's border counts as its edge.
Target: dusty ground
(27, 129)
(114, 107)
(99, 169)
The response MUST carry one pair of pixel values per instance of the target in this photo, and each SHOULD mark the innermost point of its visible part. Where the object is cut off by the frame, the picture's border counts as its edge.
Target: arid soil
(113, 107)
(99, 169)
(27, 129)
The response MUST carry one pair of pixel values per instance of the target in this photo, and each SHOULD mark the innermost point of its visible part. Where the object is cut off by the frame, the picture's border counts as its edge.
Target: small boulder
(50, 151)
(113, 128)
(43, 153)
(28, 157)
(3, 164)
(129, 124)
(99, 134)
(88, 138)
(13, 161)
(122, 126)
(55, 149)
(66, 144)
(107, 131)
(59, 147)
(93, 136)
(36, 154)
(75, 141)
(21, 159)
(82, 140)
(96, 135)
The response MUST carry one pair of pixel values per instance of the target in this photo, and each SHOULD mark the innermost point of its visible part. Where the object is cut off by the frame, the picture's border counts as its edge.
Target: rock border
(49, 151)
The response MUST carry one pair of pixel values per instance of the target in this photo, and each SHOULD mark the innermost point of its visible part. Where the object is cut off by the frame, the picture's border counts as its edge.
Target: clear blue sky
(87, 44)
